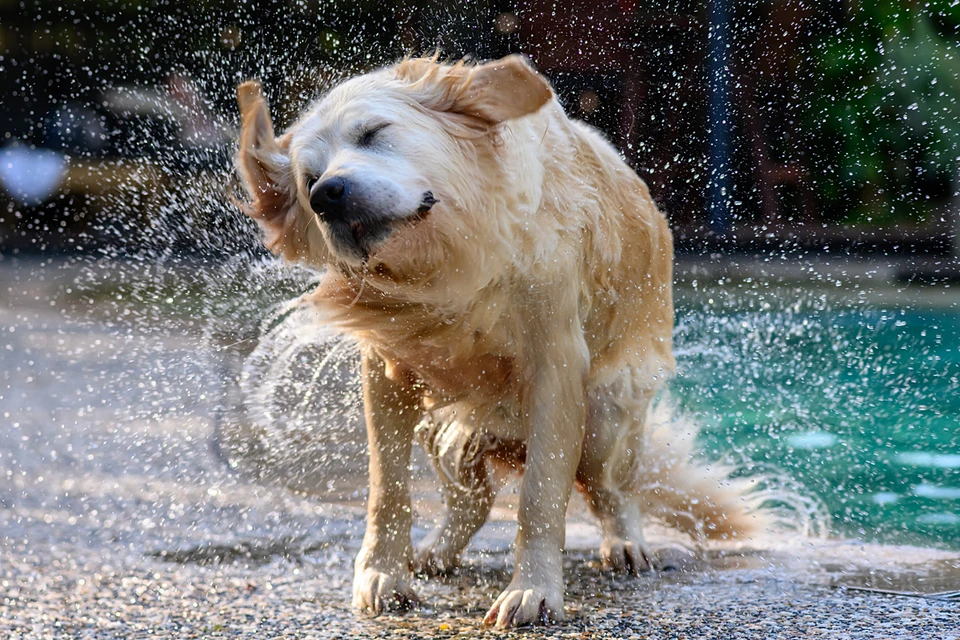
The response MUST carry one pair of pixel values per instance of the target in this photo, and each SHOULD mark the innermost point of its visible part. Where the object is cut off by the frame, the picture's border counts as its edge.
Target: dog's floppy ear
(263, 164)
(502, 90)
(491, 92)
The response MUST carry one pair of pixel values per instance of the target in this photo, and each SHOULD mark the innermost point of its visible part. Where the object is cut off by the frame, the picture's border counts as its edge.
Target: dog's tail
(700, 498)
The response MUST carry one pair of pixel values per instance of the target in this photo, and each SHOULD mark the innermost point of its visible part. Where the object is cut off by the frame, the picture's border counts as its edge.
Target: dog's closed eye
(368, 135)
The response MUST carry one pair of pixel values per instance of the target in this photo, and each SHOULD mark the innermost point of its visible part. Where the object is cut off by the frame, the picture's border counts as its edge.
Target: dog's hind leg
(637, 464)
(612, 447)
(468, 494)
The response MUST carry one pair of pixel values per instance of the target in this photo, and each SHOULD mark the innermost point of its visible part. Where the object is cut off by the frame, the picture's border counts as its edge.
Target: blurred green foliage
(885, 120)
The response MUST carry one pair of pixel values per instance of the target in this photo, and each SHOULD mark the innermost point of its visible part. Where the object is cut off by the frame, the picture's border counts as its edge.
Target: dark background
(759, 126)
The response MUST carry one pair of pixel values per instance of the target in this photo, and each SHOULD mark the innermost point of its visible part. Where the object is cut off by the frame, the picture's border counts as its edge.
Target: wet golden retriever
(508, 278)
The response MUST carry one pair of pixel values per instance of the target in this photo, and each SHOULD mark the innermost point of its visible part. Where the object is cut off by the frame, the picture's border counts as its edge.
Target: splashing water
(301, 395)
(301, 406)
(843, 412)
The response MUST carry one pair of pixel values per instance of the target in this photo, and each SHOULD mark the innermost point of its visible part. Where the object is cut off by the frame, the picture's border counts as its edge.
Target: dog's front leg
(382, 573)
(555, 413)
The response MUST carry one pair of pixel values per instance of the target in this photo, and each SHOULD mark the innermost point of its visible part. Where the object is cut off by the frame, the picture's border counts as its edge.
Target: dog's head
(385, 167)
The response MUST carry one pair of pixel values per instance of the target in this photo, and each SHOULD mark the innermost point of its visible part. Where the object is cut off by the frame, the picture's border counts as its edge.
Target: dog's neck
(385, 317)
(371, 304)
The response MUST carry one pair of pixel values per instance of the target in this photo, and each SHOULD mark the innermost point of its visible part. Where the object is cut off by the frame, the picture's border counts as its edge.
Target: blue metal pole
(719, 186)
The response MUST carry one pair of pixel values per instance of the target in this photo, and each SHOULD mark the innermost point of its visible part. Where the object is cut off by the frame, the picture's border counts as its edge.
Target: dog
(509, 280)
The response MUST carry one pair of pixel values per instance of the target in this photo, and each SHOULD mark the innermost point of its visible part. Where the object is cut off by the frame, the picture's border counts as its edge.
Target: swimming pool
(854, 396)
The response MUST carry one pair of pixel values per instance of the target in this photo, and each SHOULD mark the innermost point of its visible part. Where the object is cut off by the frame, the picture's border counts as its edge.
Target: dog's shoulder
(623, 245)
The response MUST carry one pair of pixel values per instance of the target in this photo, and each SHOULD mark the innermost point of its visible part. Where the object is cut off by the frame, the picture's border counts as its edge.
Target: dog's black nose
(329, 197)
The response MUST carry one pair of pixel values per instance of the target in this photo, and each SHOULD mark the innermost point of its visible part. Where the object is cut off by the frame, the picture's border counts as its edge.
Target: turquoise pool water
(858, 403)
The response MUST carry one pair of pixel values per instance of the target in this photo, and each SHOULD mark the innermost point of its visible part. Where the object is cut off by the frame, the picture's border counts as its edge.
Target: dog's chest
(469, 357)
(479, 378)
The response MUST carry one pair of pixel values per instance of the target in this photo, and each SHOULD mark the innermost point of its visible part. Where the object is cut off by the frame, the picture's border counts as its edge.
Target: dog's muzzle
(354, 226)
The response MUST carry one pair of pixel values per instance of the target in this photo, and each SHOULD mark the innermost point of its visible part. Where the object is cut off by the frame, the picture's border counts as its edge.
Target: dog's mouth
(426, 204)
(358, 229)
(358, 238)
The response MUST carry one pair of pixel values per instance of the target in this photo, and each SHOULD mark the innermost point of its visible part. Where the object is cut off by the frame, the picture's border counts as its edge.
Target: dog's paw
(623, 556)
(523, 604)
(434, 561)
(378, 592)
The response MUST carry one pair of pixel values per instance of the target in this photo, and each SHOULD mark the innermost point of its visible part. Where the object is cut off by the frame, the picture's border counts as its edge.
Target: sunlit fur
(536, 295)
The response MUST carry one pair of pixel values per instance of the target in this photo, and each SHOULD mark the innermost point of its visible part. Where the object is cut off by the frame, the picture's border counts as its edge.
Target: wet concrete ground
(120, 517)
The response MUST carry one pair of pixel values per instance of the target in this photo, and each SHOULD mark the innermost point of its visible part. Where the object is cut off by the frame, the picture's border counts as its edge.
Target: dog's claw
(433, 562)
(379, 592)
(622, 556)
(517, 607)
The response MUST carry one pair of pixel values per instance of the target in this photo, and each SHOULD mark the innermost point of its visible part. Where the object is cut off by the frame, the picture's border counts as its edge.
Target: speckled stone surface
(66, 594)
